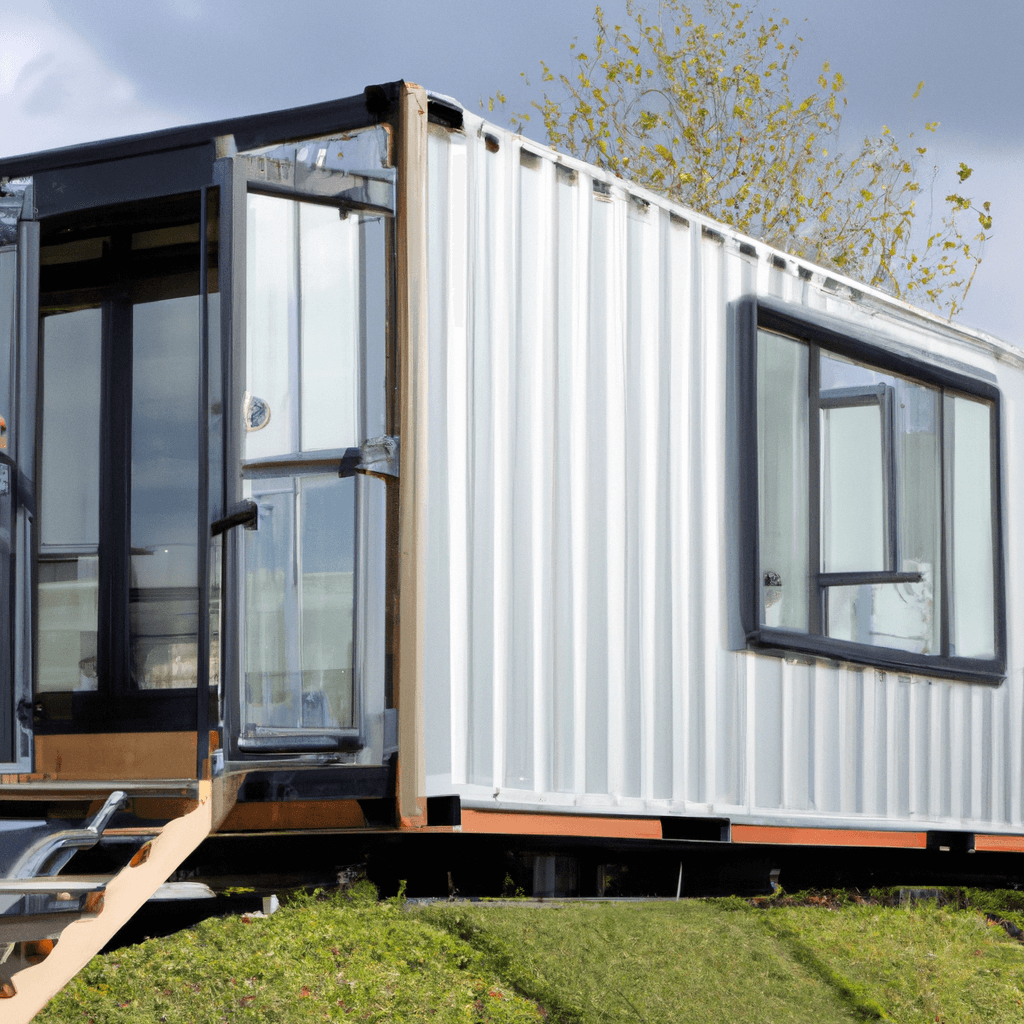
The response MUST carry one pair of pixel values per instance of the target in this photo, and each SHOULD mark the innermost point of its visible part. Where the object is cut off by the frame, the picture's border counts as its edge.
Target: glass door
(310, 390)
(17, 410)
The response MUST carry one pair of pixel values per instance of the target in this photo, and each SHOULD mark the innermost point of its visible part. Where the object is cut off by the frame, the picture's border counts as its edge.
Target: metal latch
(377, 456)
(244, 513)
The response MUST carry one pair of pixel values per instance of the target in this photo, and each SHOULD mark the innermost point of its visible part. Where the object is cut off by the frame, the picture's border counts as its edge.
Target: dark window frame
(829, 333)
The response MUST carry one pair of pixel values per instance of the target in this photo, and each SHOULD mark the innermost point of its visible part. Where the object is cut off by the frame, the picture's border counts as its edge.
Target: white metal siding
(583, 646)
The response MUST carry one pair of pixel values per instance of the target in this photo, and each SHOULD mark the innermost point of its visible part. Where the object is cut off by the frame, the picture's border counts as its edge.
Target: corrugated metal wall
(582, 642)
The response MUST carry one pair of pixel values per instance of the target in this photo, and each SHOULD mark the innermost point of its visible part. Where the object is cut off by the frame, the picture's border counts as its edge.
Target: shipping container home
(374, 479)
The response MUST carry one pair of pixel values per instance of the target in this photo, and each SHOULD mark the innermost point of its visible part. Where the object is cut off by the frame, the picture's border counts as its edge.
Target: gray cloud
(120, 67)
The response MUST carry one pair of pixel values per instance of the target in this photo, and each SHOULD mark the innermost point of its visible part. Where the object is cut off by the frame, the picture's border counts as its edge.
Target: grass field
(347, 957)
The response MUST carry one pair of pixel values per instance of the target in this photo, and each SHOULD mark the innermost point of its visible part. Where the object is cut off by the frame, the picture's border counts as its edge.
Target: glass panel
(919, 504)
(215, 483)
(271, 609)
(898, 615)
(782, 445)
(840, 372)
(68, 591)
(271, 322)
(299, 605)
(297, 162)
(327, 557)
(8, 333)
(906, 615)
(329, 275)
(69, 499)
(164, 510)
(852, 489)
(303, 326)
(8, 510)
(972, 624)
(216, 626)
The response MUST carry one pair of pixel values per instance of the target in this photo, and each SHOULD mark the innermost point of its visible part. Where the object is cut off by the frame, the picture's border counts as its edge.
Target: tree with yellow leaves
(699, 105)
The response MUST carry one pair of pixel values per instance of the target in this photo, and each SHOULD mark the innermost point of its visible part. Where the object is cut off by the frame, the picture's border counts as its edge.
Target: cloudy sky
(75, 70)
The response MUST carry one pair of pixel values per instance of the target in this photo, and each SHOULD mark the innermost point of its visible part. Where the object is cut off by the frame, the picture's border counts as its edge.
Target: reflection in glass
(972, 624)
(69, 501)
(905, 615)
(299, 605)
(852, 489)
(329, 272)
(896, 615)
(303, 325)
(8, 334)
(271, 320)
(782, 440)
(68, 591)
(164, 510)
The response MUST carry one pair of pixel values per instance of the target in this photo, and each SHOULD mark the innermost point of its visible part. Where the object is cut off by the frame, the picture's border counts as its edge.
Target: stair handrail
(47, 855)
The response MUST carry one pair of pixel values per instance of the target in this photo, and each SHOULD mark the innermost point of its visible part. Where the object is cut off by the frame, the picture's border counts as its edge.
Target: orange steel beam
(775, 836)
(523, 823)
(999, 844)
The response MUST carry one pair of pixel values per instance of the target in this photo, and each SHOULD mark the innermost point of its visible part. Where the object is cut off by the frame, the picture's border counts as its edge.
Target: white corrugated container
(582, 647)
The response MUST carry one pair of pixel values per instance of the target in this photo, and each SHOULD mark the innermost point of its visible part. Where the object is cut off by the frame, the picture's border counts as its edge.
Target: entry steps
(51, 925)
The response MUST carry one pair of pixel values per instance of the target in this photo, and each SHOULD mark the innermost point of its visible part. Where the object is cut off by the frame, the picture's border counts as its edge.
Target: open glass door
(18, 244)
(308, 391)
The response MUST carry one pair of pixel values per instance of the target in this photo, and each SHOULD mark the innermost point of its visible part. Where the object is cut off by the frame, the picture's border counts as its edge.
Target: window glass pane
(271, 608)
(972, 623)
(839, 372)
(897, 615)
(303, 325)
(68, 591)
(271, 322)
(852, 489)
(164, 510)
(69, 502)
(782, 446)
(330, 327)
(8, 333)
(327, 548)
(919, 494)
(299, 569)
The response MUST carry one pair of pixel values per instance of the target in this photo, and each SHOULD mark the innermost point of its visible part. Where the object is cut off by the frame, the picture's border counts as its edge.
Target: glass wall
(69, 500)
(120, 473)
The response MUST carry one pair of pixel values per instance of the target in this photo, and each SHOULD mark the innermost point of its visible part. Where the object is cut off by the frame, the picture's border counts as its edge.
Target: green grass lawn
(919, 965)
(687, 961)
(345, 958)
(335, 960)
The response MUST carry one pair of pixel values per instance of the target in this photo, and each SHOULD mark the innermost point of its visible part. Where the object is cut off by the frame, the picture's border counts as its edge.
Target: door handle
(244, 513)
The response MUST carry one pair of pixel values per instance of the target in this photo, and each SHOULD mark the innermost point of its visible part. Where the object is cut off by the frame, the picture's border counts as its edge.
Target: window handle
(243, 513)
(376, 456)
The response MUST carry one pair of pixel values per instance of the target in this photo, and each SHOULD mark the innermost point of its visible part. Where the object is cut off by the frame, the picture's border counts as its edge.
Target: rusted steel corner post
(411, 327)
